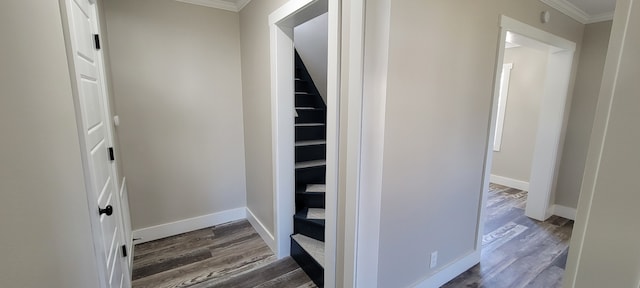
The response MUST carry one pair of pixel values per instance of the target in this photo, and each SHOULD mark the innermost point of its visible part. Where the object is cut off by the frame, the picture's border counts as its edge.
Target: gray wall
(310, 40)
(604, 249)
(585, 98)
(46, 235)
(177, 87)
(256, 101)
(441, 69)
(522, 113)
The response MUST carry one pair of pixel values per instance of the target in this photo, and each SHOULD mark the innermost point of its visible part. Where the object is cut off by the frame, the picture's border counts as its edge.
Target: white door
(95, 134)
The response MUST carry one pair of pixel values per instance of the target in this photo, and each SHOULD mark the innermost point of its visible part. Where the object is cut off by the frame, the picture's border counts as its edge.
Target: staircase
(307, 242)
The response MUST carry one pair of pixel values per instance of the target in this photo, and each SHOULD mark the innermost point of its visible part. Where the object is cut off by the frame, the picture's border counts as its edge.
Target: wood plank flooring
(227, 255)
(518, 251)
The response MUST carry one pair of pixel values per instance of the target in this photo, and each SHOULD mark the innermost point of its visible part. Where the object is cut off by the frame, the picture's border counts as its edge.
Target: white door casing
(551, 127)
(281, 23)
(92, 113)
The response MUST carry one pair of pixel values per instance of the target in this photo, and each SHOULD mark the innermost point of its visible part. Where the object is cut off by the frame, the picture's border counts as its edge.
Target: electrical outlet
(434, 259)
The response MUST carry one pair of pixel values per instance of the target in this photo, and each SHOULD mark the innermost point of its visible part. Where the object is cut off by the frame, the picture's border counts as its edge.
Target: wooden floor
(228, 255)
(518, 251)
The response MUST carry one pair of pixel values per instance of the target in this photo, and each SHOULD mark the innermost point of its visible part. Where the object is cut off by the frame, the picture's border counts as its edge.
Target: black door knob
(107, 210)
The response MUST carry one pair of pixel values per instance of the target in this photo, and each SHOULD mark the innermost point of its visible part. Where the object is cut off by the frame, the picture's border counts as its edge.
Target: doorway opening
(531, 87)
(537, 101)
(307, 241)
(522, 84)
(286, 128)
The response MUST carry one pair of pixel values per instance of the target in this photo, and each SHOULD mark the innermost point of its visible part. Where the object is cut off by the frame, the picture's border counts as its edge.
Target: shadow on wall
(311, 42)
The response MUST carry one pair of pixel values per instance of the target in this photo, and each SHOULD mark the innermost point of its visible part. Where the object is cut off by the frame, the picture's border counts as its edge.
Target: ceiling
(595, 7)
(585, 11)
(230, 5)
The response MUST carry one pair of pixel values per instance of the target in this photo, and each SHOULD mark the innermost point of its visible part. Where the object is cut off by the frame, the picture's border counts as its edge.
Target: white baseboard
(564, 211)
(510, 182)
(262, 230)
(449, 272)
(187, 225)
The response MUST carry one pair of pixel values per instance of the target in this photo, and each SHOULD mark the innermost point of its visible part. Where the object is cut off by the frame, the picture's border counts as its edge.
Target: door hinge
(96, 41)
(112, 156)
(124, 251)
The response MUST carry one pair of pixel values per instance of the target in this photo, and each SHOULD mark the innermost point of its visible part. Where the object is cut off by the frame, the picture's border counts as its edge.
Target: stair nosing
(310, 164)
(312, 192)
(309, 124)
(303, 143)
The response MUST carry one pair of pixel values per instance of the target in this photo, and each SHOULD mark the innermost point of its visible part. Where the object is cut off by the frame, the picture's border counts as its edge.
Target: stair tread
(315, 213)
(316, 188)
(309, 164)
(309, 124)
(304, 213)
(312, 246)
(310, 142)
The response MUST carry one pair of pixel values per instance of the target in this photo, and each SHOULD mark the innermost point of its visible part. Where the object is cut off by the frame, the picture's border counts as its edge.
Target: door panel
(92, 103)
(81, 14)
(100, 173)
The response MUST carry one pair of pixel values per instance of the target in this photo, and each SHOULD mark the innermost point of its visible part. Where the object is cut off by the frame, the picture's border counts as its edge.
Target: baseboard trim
(262, 230)
(449, 272)
(509, 182)
(564, 211)
(187, 225)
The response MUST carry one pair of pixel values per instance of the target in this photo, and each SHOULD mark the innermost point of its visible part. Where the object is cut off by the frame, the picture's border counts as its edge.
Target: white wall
(522, 113)
(310, 39)
(583, 106)
(256, 95)
(177, 87)
(46, 234)
(440, 79)
(604, 246)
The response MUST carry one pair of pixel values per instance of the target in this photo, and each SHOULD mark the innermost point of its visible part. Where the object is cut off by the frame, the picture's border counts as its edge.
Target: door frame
(281, 24)
(604, 111)
(555, 106)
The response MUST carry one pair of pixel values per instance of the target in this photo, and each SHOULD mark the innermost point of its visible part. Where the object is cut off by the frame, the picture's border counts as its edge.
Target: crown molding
(601, 17)
(242, 3)
(576, 13)
(568, 9)
(234, 6)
